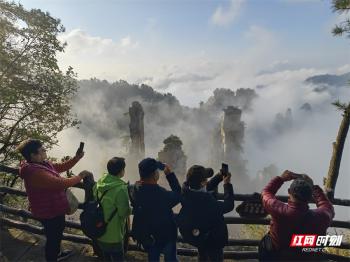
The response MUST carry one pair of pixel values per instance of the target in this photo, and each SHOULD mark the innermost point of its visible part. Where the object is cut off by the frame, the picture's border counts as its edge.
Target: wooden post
(338, 146)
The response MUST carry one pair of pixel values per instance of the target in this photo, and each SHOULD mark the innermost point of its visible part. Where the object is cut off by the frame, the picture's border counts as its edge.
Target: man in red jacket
(293, 217)
(46, 192)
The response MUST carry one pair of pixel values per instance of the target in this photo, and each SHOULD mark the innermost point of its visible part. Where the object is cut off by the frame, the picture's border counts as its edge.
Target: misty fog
(289, 124)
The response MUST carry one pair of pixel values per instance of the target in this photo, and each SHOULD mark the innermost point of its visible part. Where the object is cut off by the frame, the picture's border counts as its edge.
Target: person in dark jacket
(294, 217)
(157, 203)
(201, 218)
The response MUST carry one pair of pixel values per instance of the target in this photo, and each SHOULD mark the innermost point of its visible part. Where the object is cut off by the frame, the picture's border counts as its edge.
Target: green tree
(341, 6)
(35, 94)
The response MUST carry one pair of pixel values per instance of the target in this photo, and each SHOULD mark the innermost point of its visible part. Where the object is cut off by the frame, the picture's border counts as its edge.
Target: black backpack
(200, 234)
(190, 231)
(140, 230)
(92, 219)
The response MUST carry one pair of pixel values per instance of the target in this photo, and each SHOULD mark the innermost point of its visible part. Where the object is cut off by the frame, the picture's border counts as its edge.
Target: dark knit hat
(148, 165)
(301, 189)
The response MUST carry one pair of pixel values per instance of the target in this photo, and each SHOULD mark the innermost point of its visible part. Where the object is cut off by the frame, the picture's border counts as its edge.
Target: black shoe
(64, 255)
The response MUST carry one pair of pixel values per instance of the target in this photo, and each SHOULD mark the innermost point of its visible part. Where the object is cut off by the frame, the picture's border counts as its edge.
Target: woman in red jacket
(46, 192)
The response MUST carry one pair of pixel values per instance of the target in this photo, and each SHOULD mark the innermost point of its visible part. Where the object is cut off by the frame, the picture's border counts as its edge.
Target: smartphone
(224, 168)
(81, 148)
(161, 166)
(299, 175)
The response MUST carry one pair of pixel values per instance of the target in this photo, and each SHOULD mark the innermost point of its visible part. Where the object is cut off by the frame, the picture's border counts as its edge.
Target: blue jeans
(169, 251)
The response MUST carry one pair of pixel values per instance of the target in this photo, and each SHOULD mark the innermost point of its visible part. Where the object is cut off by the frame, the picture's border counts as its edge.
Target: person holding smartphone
(46, 192)
(201, 218)
(154, 224)
(294, 217)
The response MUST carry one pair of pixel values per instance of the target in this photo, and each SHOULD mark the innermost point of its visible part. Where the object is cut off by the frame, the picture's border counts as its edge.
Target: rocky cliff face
(173, 155)
(232, 132)
(137, 133)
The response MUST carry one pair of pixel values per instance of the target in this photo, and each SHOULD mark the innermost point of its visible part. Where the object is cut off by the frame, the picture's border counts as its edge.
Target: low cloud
(126, 42)
(188, 78)
(225, 15)
(94, 56)
(305, 146)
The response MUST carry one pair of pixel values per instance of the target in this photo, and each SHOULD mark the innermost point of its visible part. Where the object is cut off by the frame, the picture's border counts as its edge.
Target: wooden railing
(77, 238)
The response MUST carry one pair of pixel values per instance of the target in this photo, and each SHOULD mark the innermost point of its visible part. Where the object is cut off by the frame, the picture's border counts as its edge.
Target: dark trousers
(209, 253)
(267, 252)
(266, 249)
(53, 229)
(169, 251)
(114, 256)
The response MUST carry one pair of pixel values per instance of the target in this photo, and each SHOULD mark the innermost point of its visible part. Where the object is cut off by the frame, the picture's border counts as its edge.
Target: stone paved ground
(17, 245)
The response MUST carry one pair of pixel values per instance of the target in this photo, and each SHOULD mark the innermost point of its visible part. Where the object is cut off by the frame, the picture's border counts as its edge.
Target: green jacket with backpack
(116, 197)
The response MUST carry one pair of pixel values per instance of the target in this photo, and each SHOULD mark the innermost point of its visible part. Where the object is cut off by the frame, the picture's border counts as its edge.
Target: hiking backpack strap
(99, 202)
(112, 215)
(99, 199)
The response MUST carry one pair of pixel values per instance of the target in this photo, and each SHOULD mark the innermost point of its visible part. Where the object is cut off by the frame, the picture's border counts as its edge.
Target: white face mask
(202, 189)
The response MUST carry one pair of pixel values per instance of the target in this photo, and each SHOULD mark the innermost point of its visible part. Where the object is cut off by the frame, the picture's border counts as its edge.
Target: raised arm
(174, 196)
(173, 182)
(325, 208)
(271, 204)
(66, 165)
(42, 179)
(228, 204)
(214, 182)
(172, 179)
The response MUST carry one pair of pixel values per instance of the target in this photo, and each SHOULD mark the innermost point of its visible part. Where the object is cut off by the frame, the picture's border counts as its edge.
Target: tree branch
(9, 170)
(13, 128)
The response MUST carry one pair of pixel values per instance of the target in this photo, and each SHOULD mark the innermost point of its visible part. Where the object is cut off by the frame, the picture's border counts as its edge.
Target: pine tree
(341, 7)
